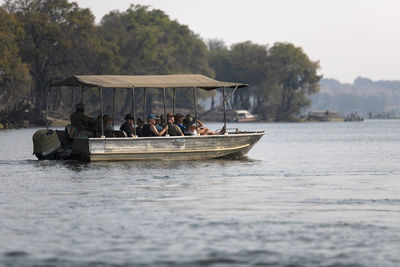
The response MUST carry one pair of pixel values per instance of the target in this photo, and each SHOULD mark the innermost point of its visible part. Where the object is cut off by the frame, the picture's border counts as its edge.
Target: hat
(178, 115)
(151, 116)
(129, 117)
(79, 106)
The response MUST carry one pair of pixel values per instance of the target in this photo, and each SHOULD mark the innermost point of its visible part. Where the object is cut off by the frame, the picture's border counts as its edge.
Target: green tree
(244, 62)
(249, 65)
(14, 76)
(296, 76)
(281, 77)
(149, 42)
(58, 40)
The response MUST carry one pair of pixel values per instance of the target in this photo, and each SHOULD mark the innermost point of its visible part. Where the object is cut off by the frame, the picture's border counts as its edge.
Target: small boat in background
(242, 115)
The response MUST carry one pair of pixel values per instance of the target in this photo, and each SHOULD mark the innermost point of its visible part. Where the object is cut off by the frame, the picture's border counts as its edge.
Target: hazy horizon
(351, 38)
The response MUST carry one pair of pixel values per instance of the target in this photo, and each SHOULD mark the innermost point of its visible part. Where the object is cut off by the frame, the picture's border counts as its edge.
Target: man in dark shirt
(127, 127)
(149, 129)
(139, 128)
(81, 121)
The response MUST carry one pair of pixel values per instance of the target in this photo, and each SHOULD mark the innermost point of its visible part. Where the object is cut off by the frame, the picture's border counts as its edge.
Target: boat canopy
(147, 81)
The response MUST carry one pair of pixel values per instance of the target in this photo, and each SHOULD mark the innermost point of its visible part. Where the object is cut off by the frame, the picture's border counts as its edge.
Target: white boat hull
(166, 148)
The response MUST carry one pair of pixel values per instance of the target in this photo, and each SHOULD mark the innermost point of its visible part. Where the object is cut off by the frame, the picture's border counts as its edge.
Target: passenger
(173, 129)
(193, 129)
(127, 126)
(190, 128)
(149, 129)
(179, 121)
(158, 125)
(162, 121)
(139, 128)
(107, 123)
(203, 130)
(81, 121)
(107, 120)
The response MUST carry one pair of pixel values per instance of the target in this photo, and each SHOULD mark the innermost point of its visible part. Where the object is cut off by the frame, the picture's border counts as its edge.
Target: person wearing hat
(149, 129)
(127, 126)
(81, 121)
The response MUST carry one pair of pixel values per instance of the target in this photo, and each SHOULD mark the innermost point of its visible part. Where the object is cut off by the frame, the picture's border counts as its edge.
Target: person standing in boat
(127, 127)
(149, 129)
(81, 121)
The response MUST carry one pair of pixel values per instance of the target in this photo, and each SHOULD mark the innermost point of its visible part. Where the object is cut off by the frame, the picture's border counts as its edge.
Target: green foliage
(54, 39)
(297, 75)
(148, 42)
(14, 76)
(281, 77)
(58, 40)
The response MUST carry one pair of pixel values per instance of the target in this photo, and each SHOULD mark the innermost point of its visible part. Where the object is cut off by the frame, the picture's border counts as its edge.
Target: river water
(309, 194)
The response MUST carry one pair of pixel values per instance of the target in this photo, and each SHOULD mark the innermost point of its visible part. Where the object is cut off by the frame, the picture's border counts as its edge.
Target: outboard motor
(45, 144)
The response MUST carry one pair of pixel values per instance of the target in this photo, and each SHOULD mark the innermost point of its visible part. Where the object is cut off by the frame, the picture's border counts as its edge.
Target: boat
(242, 115)
(54, 144)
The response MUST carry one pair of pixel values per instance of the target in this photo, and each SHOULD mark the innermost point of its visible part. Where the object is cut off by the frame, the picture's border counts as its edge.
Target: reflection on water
(322, 194)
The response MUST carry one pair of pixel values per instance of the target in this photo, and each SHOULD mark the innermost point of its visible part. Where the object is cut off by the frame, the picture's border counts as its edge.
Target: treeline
(47, 40)
(363, 96)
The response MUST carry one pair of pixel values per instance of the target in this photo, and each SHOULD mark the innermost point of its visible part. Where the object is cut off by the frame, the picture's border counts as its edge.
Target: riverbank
(22, 115)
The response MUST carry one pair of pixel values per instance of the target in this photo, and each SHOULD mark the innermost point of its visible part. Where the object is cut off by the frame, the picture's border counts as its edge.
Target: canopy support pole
(134, 109)
(165, 110)
(173, 100)
(101, 111)
(47, 108)
(224, 104)
(113, 108)
(81, 94)
(195, 108)
(144, 105)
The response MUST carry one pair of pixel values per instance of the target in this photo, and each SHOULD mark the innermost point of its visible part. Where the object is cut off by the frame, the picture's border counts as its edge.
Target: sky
(350, 38)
